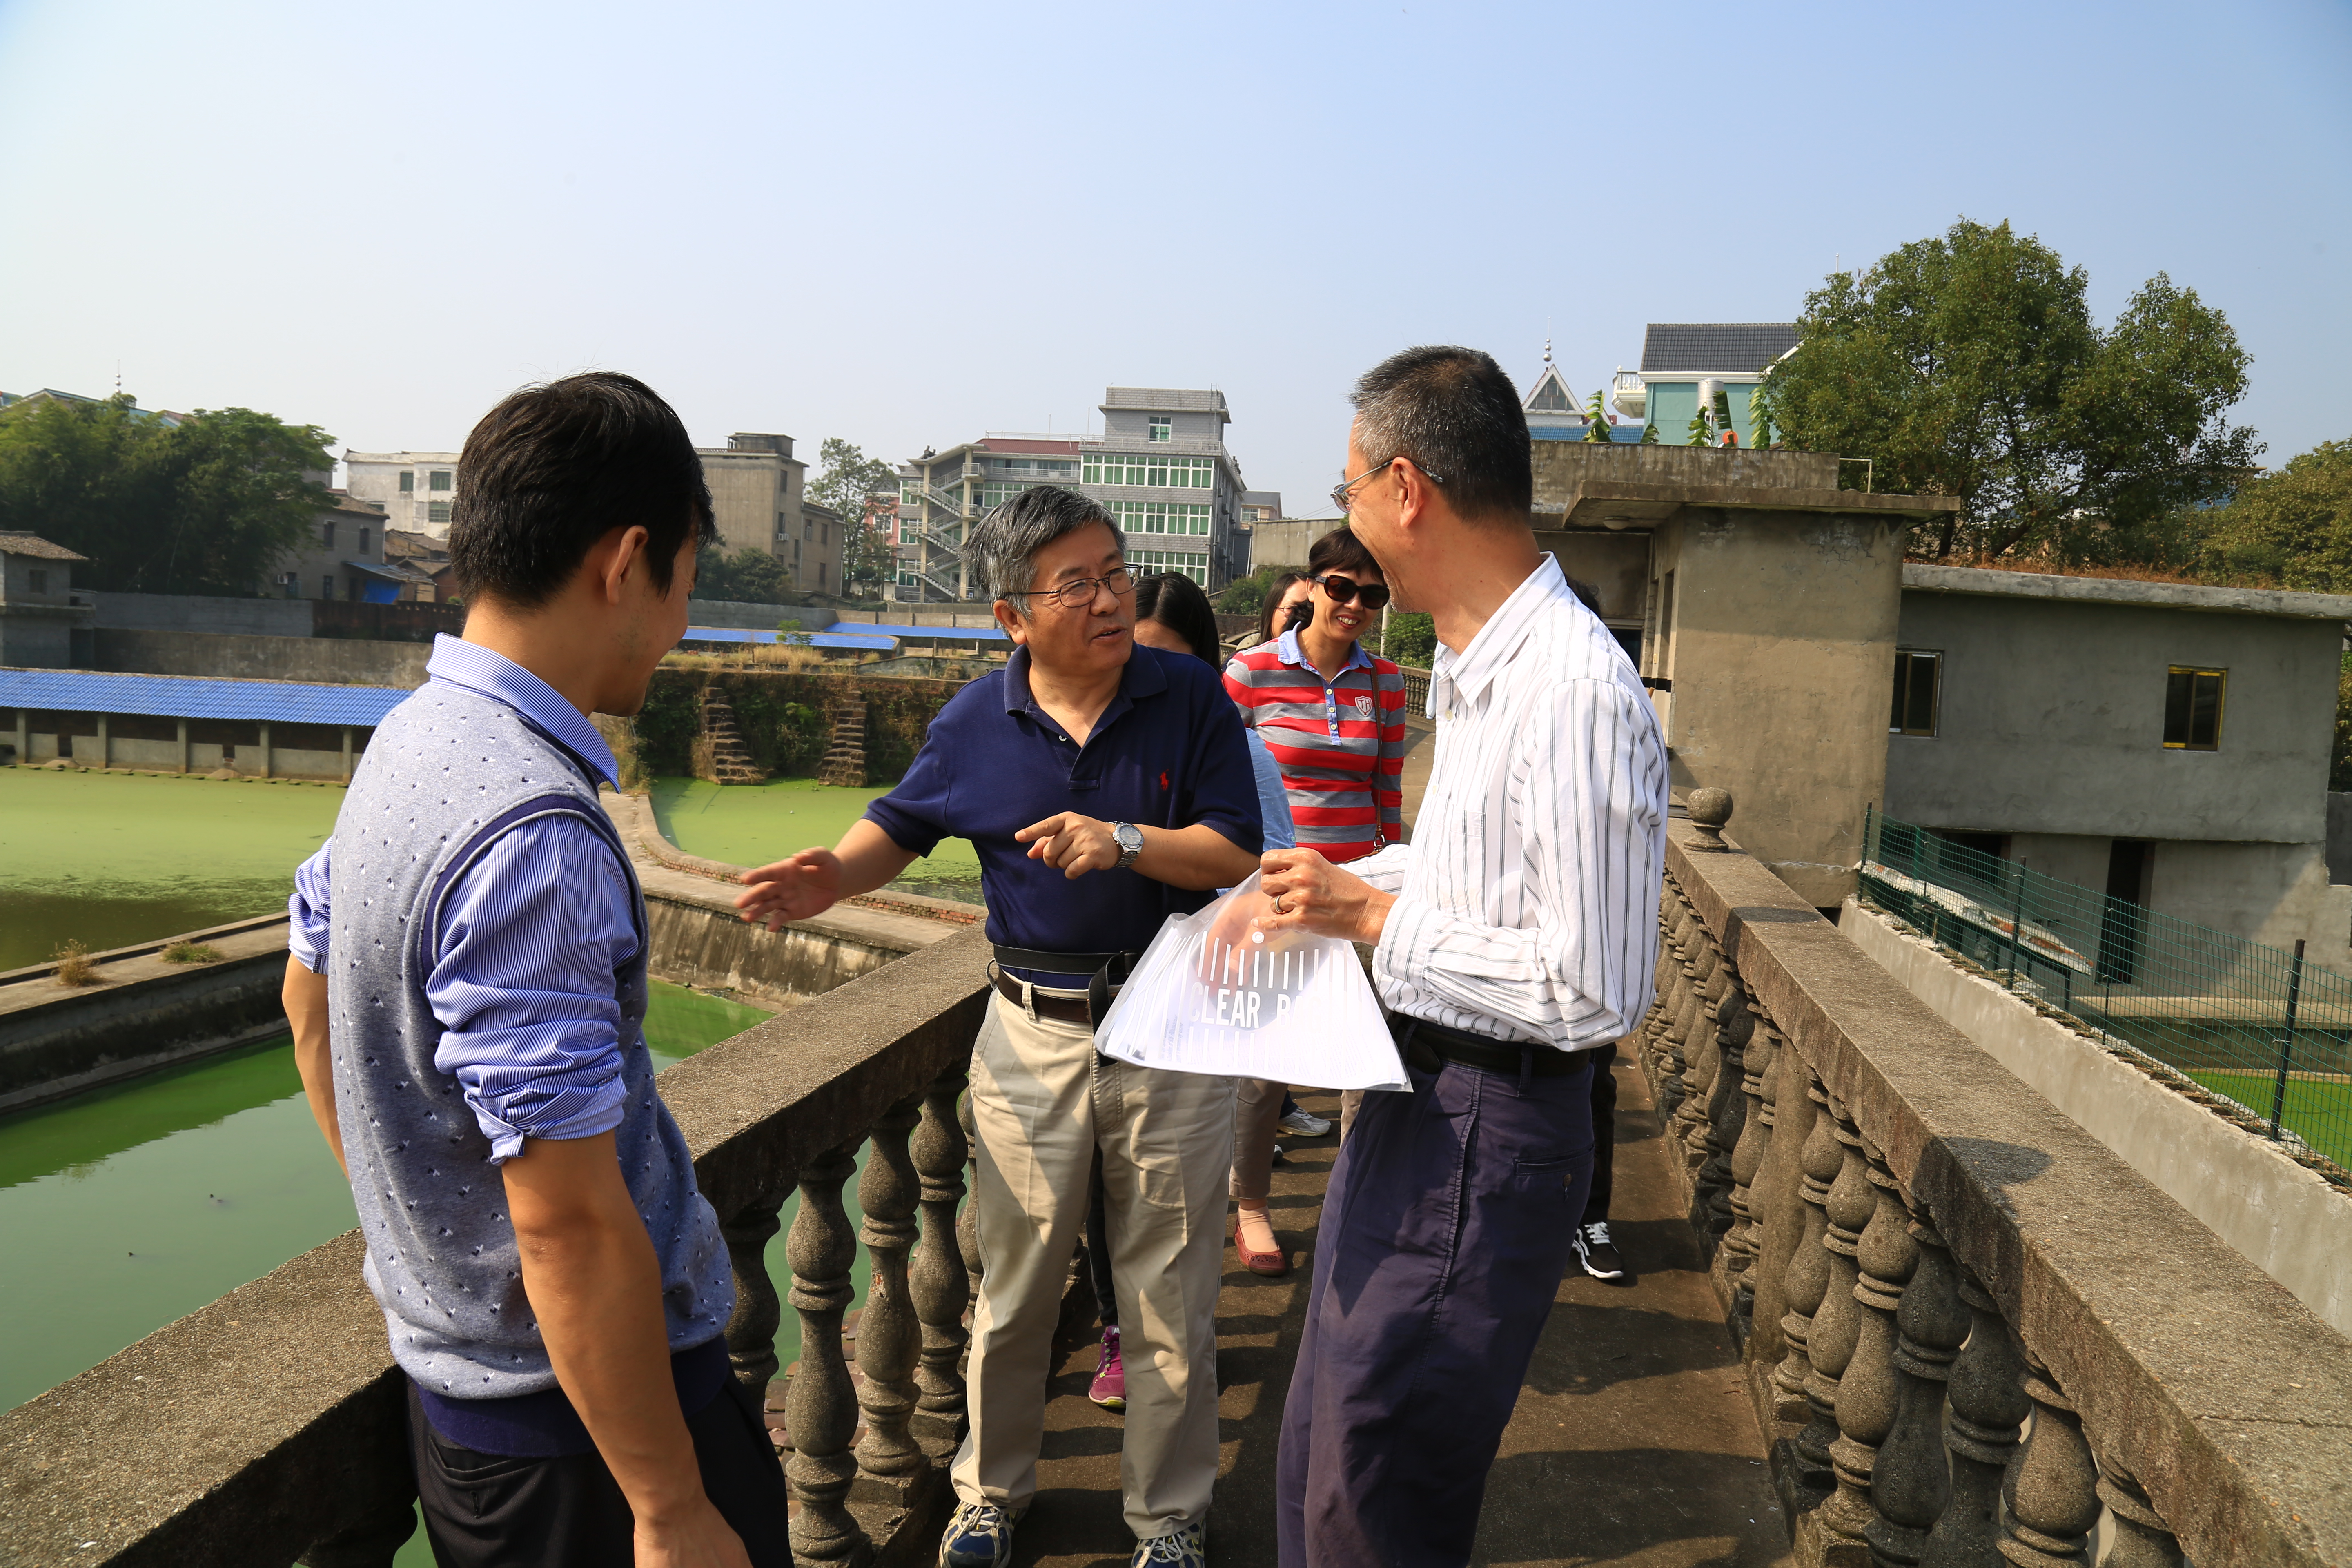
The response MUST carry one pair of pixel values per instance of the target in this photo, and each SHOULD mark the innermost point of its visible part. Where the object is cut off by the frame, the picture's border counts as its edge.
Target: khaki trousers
(1258, 1119)
(1043, 1101)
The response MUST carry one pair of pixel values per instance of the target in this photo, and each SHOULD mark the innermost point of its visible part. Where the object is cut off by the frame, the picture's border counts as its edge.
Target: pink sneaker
(1109, 1387)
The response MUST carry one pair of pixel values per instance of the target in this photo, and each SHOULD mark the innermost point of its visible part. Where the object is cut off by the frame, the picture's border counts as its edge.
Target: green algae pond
(109, 859)
(752, 824)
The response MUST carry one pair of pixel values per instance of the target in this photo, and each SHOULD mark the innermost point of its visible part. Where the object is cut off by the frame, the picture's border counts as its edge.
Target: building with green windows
(1159, 465)
(1681, 360)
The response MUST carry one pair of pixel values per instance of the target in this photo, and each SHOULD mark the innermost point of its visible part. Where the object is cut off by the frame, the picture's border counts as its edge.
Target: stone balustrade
(1972, 1334)
(269, 1426)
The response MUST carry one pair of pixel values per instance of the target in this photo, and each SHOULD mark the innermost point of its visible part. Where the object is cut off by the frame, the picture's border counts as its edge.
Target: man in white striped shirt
(1512, 940)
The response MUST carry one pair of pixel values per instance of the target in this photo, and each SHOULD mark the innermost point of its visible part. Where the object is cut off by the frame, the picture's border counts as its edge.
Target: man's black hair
(1176, 601)
(1457, 417)
(553, 468)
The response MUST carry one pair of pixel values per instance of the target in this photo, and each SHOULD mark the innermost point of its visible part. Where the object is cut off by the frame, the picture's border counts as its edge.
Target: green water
(126, 1207)
(110, 859)
(752, 824)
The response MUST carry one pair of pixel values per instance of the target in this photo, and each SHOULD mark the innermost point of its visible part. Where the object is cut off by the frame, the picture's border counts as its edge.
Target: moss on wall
(781, 717)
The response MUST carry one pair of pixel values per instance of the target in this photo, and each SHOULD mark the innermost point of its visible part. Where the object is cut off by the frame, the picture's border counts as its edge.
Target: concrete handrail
(271, 1422)
(2211, 1400)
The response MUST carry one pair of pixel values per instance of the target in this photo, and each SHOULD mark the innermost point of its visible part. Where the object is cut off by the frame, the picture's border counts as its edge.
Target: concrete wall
(1286, 543)
(334, 661)
(2052, 720)
(1778, 638)
(2281, 1217)
(2340, 836)
(1616, 566)
(57, 1040)
(243, 757)
(755, 617)
(203, 613)
(1561, 466)
(35, 639)
(2269, 893)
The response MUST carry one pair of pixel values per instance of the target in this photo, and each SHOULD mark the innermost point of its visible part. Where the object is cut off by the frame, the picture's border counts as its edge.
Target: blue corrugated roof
(816, 639)
(181, 696)
(944, 634)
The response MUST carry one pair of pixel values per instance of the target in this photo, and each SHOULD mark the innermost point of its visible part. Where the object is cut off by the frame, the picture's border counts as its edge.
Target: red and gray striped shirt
(1341, 744)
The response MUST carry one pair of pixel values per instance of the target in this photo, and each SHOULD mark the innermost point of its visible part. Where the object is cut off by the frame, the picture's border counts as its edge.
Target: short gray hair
(1003, 549)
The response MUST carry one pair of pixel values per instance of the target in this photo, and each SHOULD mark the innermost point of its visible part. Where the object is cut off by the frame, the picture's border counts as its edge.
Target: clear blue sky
(909, 224)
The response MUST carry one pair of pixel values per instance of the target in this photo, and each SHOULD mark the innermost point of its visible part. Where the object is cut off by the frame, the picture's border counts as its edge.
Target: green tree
(749, 576)
(2291, 527)
(1411, 638)
(1596, 419)
(1760, 415)
(847, 478)
(1702, 429)
(1968, 365)
(209, 507)
(1247, 596)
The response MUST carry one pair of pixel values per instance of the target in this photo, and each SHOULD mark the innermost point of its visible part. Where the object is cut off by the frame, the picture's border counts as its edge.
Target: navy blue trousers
(1445, 1234)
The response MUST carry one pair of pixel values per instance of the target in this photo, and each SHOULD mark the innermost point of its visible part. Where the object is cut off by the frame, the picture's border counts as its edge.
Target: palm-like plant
(1596, 420)
(1702, 429)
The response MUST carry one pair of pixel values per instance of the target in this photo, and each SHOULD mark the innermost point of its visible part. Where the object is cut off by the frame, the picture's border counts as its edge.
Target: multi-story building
(1684, 361)
(756, 489)
(1261, 506)
(414, 489)
(1161, 467)
(345, 558)
(942, 494)
(816, 552)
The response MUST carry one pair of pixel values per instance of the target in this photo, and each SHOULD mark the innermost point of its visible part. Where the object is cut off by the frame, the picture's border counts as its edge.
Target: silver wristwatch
(1131, 843)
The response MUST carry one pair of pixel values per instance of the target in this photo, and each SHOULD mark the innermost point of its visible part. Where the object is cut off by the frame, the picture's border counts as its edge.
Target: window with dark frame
(1918, 688)
(1161, 429)
(37, 581)
(328, 529)
(407, 481)
(2192, 708)
(440, 479)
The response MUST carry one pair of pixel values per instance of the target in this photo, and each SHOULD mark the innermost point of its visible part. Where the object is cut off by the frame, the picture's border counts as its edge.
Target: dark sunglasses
(1343, 590)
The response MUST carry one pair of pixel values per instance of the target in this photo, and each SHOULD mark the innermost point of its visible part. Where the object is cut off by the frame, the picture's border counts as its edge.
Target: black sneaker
(1600, 1257)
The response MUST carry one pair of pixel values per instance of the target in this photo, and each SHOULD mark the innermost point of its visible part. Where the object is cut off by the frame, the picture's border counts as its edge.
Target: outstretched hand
(796, 888)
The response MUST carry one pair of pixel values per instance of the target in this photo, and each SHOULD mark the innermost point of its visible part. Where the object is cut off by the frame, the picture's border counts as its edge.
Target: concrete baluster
(1867, 1392)
(2138, 1537)
(1702, 1058)
(1806, 1281)
(1989, 1404)
(2052, 1487)
(1776, 1199)
(1727, 1112)
(1911, 1484)
(968, 1228)
(1748, 1152)
(1664, 1064)
(888, 1333)
(939, 1278)
(821, 1409)
(1689, 1035)
(751, 1330)
(1830, 1343)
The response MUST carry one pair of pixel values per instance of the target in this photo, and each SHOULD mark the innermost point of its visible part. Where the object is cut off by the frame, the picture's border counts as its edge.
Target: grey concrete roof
(1163, 400)
(1918, 578)
(34, 545)
(1716, 345)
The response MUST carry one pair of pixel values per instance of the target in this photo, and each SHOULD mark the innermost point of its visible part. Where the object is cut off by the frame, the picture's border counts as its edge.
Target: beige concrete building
(414, 489)
(1763, 604)
(756, 489)
(345, 559)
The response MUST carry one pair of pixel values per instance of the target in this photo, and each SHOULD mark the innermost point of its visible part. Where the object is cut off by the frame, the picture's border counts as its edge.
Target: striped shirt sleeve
(1578, 781)
(308, 910)
(531, 936)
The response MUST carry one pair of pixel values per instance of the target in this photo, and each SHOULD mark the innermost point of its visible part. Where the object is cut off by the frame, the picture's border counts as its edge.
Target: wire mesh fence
(2255, 1027)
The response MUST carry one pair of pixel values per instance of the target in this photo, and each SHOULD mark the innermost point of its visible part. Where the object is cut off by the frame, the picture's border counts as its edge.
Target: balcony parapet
(269, 1426)
(1906, 1232)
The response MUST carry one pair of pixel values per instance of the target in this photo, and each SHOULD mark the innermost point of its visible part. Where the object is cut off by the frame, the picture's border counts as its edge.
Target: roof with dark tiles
(1740, 347)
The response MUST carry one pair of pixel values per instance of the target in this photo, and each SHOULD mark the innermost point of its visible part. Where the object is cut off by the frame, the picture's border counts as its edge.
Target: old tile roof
(1702, 346)
(179, 696)
(14, 544)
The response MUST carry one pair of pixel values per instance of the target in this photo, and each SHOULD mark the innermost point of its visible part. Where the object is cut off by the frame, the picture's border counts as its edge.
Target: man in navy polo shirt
(1106, 787)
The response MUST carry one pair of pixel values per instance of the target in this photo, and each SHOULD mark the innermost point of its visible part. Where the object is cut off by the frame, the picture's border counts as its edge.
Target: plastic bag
(1212, 995)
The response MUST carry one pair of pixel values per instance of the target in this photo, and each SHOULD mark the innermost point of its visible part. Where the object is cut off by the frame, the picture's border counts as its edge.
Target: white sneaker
(1304, 1123)
(1600, 1259)
(1185, 1547)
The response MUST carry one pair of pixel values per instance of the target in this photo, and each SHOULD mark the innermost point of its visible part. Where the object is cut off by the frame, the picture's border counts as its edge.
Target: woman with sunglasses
(1333, 715)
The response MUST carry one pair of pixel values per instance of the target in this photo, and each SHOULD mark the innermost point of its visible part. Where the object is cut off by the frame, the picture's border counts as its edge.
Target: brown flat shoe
(1273, 1265)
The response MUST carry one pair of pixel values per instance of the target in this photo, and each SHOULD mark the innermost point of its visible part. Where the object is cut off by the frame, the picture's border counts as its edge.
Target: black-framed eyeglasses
(1079, 592)
(1339, 491)
(1347, 590)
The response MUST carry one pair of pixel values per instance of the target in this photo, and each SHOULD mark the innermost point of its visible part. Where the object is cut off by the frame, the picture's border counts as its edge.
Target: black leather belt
(1429, 1046)
(1106, 973)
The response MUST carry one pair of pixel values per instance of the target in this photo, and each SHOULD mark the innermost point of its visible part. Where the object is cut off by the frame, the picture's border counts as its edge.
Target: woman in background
(1172, 614)
(1333, 717)
(1287, 593)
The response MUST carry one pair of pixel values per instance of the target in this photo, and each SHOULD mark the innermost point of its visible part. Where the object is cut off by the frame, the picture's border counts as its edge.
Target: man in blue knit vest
(468, 989)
